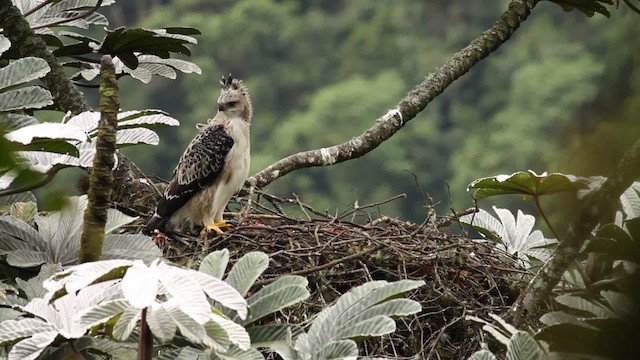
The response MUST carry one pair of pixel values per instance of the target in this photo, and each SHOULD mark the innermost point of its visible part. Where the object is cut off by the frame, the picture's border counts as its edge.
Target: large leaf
(522, 347)
(483, 355)
(245, 272)
(630, 200)
(275, 301)
(160, 323)
(526, 183)
(136, 136)
(215, 263)
(588, 7)
(277, 337)
(31, 348)
(31, 97)
(28, 134)
(340, 350)
(579, 303)
(22, 71)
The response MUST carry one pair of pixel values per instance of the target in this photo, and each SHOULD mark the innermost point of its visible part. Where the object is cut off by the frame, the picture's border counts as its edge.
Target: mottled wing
(198, 167)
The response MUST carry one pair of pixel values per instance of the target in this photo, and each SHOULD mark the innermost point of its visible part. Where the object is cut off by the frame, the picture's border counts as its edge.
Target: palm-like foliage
(57, 238)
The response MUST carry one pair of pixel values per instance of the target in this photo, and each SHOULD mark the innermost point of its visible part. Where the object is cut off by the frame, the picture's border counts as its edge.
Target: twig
(50, 175)
(349, 212)
(325, 266)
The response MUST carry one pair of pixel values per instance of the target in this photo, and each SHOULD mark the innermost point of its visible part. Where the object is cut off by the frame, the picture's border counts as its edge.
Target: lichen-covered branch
(388, 124)
(16, 28)
(594, 207)
(101, 178)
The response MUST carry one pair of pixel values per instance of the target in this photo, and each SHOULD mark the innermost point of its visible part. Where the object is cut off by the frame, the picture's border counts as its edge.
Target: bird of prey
(214, 166)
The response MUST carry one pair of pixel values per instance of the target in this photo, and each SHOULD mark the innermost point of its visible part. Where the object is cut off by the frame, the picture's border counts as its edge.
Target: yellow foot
(216, 226)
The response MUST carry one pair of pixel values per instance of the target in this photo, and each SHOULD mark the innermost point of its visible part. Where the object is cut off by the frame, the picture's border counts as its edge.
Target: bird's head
(234, 100)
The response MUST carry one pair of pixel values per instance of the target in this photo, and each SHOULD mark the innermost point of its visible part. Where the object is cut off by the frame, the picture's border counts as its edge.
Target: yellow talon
(216, 226)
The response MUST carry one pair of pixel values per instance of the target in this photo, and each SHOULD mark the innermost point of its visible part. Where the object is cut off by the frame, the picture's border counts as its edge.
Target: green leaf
(483, 355)
(160, 323)
(245, 272)
(579, 303)
(275, 301)
(32, 97)
(24, 197)
(215, 263)
(340, 350)
(22, 71)
(136, 136)
(149, 119)
(561, 317)
(588, 7)
(526, 183)
(31, 133)
(374, 326)
(522, 347)
(630, 200)
(52, 146)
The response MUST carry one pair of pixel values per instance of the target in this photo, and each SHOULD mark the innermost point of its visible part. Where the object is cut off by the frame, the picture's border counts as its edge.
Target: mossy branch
(101, 178)
(17, 29)
(416, 101)
(595, 207)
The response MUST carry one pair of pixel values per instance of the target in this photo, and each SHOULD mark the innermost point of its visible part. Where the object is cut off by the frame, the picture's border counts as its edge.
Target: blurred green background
(561, 95)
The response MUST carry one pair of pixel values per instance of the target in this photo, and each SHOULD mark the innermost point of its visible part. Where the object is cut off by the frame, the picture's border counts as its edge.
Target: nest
(337, 252)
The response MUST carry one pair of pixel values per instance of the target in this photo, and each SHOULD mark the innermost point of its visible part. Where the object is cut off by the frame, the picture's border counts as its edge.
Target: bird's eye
(231, 103)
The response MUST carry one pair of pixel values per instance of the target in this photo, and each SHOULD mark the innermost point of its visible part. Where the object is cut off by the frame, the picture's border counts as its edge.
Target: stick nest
(338, 252)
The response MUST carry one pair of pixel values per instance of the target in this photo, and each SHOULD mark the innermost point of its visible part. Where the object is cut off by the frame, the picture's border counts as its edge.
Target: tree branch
(101, 178)
(595, 207)
(388, 124)
(16, 28)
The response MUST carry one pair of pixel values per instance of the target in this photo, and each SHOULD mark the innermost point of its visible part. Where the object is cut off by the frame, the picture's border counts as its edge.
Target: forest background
(563, 96)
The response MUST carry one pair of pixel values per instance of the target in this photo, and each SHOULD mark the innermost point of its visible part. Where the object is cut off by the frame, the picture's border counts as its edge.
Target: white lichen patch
(391, 114)
(327, 159)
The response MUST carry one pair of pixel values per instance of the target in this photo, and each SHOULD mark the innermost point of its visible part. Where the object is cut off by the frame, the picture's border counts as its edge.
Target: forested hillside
(321, 72)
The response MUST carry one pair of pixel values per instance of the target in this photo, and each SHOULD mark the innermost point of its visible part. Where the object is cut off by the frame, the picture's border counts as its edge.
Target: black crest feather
(228, 82)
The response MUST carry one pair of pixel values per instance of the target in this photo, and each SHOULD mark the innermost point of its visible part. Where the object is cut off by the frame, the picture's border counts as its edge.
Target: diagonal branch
(594, 208)
(388, 124)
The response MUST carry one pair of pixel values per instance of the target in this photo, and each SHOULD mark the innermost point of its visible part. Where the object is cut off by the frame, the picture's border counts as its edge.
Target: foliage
(57, 238)
(512, 234)
(520, 344)
(602, 321)
(525, 183)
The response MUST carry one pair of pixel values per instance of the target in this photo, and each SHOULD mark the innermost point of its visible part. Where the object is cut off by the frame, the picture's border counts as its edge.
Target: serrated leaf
(24, 197)
(30, 349)
(483, 355)
(560, 317)
(579, 303)
(136, 136)
(103, 312)
(526, 183)
(126, 324)
(374, 326)
(145, 118)
(28, 134)
(215, 263)
(522, 347)
(160, 323)
(275, 301)
(247, 270)
(340, 350)
(31, 97)
(22, 71)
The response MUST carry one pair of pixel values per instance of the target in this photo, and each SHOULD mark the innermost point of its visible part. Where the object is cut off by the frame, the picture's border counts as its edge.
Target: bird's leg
(217, 226)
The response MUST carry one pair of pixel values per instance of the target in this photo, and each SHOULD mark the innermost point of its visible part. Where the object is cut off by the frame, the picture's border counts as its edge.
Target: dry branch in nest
(336, 253)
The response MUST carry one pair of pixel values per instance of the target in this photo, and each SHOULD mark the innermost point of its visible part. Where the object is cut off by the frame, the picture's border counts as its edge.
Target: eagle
(214, 166)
